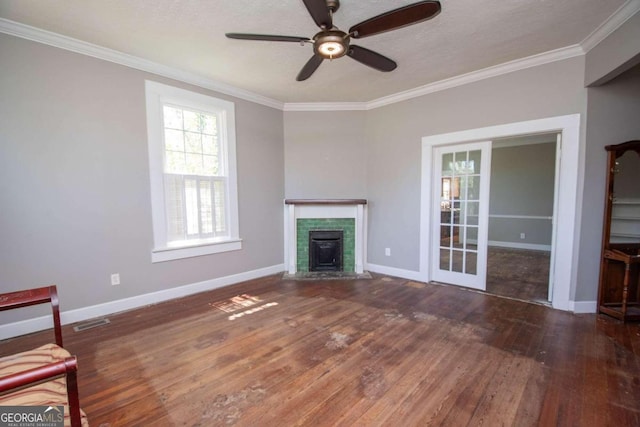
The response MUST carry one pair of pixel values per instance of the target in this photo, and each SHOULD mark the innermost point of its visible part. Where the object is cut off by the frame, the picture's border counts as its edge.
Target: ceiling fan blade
(371, 58)
(267, 37)
(397, 18)
(310, 67)
(319, 12)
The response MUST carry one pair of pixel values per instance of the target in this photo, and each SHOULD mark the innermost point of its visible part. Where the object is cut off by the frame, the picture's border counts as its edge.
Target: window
(193, 173)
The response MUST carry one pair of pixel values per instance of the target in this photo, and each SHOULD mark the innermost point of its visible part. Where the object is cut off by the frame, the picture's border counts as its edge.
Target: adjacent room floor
(368, 352)
(518, 273)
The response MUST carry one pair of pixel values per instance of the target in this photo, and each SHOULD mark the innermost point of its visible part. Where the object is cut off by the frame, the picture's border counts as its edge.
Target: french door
(460, 208)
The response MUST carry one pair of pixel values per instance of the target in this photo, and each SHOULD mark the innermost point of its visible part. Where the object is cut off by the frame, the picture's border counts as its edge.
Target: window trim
(156, 95)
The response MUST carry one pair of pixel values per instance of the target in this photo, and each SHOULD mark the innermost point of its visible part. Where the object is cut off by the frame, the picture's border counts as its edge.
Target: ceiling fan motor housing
(333, 5)
(331, 44)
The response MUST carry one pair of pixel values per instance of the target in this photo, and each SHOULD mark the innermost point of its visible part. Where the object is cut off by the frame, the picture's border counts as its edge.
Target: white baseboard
(578, 307)
(392, 271)
(517, 245)
(583, 306)
(72, 316)
(78, 315)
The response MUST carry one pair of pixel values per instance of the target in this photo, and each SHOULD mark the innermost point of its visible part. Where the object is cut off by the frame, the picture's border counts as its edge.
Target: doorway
(521, 209)
(565, 232)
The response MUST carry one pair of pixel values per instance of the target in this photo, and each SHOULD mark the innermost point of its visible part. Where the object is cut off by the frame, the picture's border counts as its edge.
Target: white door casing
(566, 221)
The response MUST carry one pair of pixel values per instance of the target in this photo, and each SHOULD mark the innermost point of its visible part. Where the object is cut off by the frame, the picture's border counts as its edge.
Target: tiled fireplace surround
(327, 214)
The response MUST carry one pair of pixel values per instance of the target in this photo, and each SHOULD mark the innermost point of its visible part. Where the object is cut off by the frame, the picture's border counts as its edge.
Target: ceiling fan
(332, 43)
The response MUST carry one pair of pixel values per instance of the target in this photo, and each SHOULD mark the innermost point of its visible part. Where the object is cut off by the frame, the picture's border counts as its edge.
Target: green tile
(304, 225)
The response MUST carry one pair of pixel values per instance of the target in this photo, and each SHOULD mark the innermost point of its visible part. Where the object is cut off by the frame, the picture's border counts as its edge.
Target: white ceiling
(468, 35)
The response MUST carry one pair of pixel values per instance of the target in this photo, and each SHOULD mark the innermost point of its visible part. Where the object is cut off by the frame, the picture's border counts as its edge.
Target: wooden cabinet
(619, 290)
(625, 220)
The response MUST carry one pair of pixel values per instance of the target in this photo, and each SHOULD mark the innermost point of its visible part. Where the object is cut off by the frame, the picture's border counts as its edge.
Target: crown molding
(622, 15)
(626, 11)
(84, 48)
(106, 54)
(475, 76)
(325, 106)
(497, 70)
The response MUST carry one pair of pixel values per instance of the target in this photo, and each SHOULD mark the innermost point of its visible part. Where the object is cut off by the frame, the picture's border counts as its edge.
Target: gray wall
(616, 54)
(522, 184)
(394, 136)
(74, 180)
(613, 113)
(325, 155)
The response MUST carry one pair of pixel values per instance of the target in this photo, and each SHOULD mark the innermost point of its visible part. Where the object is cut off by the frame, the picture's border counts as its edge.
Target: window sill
(194, 250)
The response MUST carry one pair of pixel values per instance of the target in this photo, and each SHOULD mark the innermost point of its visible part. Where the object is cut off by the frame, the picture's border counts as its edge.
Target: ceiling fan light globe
(331, 50)
(331, 44)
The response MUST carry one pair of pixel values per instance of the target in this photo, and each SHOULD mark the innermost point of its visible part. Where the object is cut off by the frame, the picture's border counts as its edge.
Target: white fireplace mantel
(324, 208)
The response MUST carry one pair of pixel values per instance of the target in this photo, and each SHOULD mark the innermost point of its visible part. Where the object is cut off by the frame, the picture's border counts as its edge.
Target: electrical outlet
(115, 279)
(522, 235)
(387, 251)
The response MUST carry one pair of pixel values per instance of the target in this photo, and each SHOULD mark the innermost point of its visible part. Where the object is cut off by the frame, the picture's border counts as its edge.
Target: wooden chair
(53, 380)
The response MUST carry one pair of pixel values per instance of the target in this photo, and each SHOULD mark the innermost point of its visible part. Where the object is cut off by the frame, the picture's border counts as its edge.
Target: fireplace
(325, 250)
(304, 216)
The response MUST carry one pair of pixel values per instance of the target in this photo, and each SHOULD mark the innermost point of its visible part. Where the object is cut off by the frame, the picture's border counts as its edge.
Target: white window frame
(157, 95)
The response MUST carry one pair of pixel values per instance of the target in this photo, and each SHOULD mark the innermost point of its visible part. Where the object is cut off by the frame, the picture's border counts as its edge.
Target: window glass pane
(457, 237)
(460, 163)
(455, 213)
(446, 189)
(462, 213)
(174, 162)
(206, 208)
(473, 187)
(220, 197)
(447, 164)
(472, 238)
(194, 164)
(174, 203)
(191, 121)
(172, 117)
(209, 144)
(472, 212)
(209, 124)
(445, 255)
(455, 188)
(173, 140)
(193, 142)
(210, 165)
(456, 261)
(191, 202)
(471, 263)
(445, 216)
(445, 234)
(474, 162)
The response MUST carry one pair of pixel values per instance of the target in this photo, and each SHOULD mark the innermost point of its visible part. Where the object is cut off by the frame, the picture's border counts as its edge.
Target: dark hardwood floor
(372, 352)
(518, 273)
